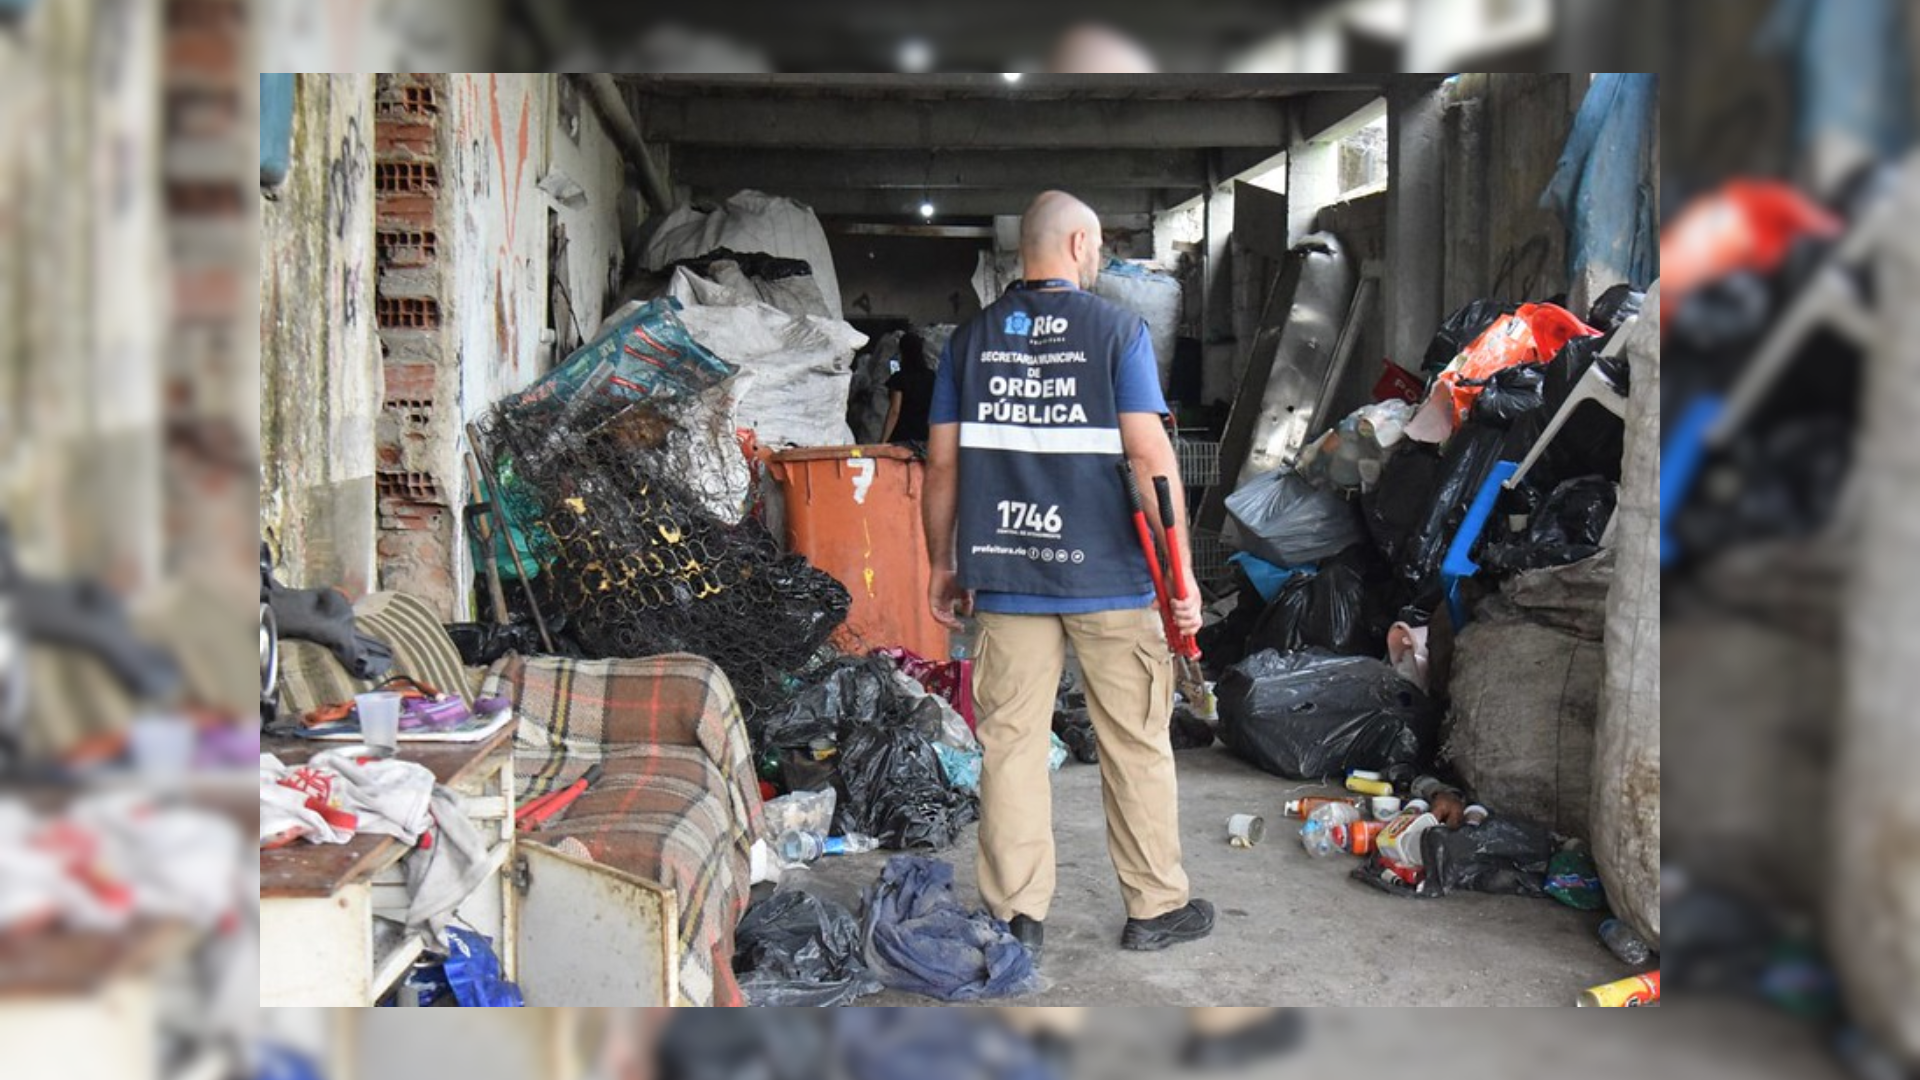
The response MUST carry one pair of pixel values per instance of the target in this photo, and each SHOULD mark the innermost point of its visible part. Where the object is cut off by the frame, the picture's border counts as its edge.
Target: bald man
(1037, 401)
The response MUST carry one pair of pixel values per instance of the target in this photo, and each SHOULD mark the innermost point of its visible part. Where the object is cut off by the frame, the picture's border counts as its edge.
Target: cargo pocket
(1158, 661)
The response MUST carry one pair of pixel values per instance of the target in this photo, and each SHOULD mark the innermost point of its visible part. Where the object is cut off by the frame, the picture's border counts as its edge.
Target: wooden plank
(58, 963)
(315, 870)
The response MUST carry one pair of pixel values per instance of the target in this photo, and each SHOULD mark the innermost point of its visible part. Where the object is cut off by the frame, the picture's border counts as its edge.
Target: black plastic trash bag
(1288, 522)
(919, 939)
(1615, 306)
(1189, 732)
(1398, 504)
(1565, 529)
(1509, 394)
(891, 785)
(1459, 330)
(728, 1044)
(480, 644)
(1312, 715)
(1343, 607)
(852, 689)
(1469, 459)
(795, 948)
(1501, 855)
(1592, 441)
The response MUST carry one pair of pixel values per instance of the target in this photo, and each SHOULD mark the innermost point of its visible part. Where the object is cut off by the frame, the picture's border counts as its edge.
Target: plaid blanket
(677, 803)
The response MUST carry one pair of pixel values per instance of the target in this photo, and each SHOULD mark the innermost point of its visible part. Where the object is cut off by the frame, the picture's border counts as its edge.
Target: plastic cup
(162, 745)
(1385, 807)
(379, 719)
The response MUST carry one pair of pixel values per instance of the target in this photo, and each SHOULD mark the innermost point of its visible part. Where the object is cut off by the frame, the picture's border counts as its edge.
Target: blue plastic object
(1266, 577)
(1680, 460)
(276, 127)
(1459, 561)
(473, 970)
(284, 1063)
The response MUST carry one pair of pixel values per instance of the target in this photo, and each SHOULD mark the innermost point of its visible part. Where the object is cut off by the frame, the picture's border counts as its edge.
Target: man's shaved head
(1060, 237)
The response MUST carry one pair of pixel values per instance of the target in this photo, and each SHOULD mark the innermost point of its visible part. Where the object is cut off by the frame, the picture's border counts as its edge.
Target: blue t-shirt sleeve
(946, 391)
(1136, 385)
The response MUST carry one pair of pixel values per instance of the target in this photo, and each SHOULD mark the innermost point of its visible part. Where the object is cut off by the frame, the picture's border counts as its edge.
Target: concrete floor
(1292, 930)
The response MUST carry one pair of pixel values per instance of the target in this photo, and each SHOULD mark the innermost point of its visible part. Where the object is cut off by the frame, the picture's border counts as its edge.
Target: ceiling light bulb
(926, 209)
(1010, 76)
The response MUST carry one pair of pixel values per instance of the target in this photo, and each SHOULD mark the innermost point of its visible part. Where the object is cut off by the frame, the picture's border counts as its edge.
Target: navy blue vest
(1041, 506)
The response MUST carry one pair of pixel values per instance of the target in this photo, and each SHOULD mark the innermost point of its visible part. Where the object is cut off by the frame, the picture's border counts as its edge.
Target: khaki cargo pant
(1128, 677)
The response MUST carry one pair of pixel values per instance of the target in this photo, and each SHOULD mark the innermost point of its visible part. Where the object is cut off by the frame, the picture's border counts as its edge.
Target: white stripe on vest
(1040, 440)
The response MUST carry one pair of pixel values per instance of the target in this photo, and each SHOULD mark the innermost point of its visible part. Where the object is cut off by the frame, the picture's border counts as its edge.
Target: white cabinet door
(591, 935)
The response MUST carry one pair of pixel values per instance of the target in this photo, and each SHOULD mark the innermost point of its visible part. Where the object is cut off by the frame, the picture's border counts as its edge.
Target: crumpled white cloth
(385, 796)
(112, 858)
(441, 875)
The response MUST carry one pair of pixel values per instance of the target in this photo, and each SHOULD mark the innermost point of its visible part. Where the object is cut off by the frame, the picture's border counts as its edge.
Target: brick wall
(416, 484)
(210, 371)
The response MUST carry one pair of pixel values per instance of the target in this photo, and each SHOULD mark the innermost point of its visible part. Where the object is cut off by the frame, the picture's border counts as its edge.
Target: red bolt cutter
(1169, 584)
(534, 814)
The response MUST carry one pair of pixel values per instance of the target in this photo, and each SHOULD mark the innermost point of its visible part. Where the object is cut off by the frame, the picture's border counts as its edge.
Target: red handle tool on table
(534, 814)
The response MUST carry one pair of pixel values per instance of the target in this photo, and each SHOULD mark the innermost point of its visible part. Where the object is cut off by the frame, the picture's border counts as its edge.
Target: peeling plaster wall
(320, 360)
(495, 151)
(489, 139)
(581, 150)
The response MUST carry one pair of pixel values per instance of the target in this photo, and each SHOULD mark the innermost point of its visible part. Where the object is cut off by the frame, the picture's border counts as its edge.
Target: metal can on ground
(1629, 993)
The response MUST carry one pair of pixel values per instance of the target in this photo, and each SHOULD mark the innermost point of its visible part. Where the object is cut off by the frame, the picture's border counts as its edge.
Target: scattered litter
(1351, 455)
(795, 948)
(1311, 715)
(920, 940)
(1633, 992)
(895, 788)
(1573, 880)
(1628, 947)
(1245, 830)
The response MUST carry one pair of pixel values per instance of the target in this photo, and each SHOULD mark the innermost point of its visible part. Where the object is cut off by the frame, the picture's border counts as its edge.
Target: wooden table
(309, 870)
(323, 937)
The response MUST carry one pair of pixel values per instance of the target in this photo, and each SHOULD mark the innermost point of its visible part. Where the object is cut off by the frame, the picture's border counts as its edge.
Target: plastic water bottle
(1628, 946)
(798, 848)
(1317, 833)
(852, 843)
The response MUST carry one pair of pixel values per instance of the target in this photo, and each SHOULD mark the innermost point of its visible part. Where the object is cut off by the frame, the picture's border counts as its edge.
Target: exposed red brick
(407, 247)
(206, 292)
(204, 198)
(200, 112)
(205, 15)
(405, 177)
(402, 142)
(405, 211)
(411, 382)
(406, 312)
(204, 52)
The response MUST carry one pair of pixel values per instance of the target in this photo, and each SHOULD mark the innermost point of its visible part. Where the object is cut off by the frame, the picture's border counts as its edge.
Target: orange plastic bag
(1533, 334)
(1746, 225)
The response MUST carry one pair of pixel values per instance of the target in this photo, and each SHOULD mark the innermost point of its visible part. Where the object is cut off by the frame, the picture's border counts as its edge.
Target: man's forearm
(1146, 468)
(937, 514)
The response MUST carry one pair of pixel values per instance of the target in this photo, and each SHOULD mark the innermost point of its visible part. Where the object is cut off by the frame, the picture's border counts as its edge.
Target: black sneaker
(1028, 932)
(1252, 1044)
(1190, 923)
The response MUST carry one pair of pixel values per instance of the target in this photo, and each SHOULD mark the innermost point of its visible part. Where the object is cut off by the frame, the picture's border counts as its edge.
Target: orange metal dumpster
(854, 511)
